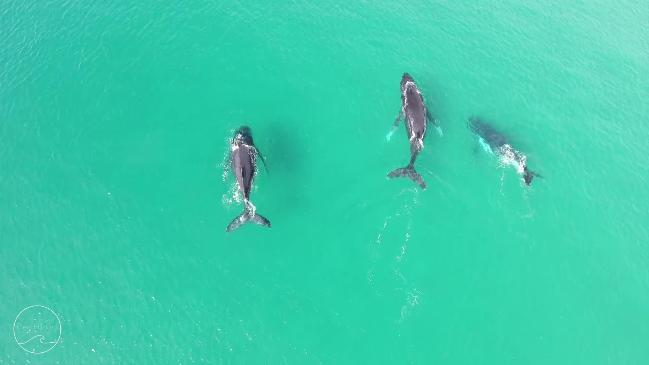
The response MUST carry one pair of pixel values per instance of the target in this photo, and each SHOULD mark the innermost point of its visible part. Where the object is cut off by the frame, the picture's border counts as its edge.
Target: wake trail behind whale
(399, 223)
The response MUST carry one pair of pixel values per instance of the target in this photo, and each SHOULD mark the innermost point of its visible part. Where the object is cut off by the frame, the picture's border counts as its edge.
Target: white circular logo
(37, 329)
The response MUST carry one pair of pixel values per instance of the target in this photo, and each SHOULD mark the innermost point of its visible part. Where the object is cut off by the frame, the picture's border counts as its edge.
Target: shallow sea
(114, 127)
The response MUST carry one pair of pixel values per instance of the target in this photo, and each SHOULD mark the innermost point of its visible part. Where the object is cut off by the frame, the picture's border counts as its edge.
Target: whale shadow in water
(284, 150)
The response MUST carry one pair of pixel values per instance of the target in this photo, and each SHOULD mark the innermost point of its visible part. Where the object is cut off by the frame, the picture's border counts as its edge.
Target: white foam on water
(412, 300)
(232, 196)
(225, 161)
(400, 283)
(379, 237)
(225, 175)
(404, 247)
(511, 157)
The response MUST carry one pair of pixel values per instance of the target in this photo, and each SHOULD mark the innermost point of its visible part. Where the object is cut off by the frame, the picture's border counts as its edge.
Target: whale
(496, 143)
(243, 162)
(416, 117)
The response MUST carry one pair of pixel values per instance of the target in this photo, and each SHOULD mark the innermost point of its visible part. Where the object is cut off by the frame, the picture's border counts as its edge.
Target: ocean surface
(115, 119)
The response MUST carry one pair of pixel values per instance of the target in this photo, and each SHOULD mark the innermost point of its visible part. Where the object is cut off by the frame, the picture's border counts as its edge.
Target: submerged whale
(497, 143)
(243, 159)
(416, 118)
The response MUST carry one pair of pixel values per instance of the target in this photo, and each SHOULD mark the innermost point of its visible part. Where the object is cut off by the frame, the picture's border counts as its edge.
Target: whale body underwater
(496, 143)
(416, 116)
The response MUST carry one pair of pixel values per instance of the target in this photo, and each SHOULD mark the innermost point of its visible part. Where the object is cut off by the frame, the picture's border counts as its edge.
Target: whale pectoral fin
(263, 159)
(395, 125)
(399, 117)
(485, 146)
(390, 133)
(434, 122)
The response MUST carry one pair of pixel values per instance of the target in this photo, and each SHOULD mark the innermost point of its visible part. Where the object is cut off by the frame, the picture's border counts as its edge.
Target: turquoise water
(114, 124)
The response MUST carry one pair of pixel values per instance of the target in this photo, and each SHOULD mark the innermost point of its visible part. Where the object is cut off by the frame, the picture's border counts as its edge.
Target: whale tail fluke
(528, 175)
(409, 171)
(260, 220)
(248, 215)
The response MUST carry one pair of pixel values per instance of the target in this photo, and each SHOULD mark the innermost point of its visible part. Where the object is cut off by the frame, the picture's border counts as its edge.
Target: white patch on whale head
(408, 85)
(404, 92)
